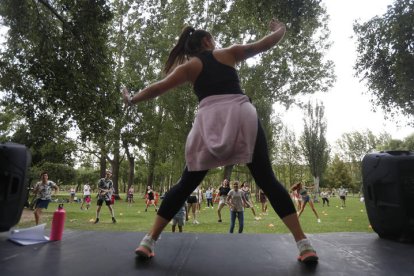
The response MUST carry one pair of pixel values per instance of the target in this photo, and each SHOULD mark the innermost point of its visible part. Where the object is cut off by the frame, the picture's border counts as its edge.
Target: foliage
(393, 144)
(313, 141)
(55, 62)
(66, 60)
(390, 144)
(386, 57)
(288, 158)
(85, 175)
(355, 145)
(53, 67)
(9, 122)
(46, 144)
(61, 174)
(338, 175)
(409, 142)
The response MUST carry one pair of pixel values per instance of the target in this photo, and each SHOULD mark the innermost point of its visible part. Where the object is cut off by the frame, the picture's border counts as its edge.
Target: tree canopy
(386, 57)
(65, 61)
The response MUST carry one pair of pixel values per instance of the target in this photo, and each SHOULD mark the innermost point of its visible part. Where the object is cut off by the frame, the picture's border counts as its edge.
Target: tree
(392, 144)
(54, 66)
(62, 55)
(313, 141)
(386, 57)
(288, 158)
(337, 175)
(62, 174)
(355, 145)
(409, 142)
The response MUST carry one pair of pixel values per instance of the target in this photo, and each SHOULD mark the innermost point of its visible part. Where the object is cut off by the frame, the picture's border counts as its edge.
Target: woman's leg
(253, 211)
(37, 213)
(193, 210)
(221, 205)
(302, 208)
(279, 198)
(313, 209)
(174, 199)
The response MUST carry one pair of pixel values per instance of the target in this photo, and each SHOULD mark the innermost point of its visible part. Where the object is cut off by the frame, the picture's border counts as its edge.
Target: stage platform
(112, 253)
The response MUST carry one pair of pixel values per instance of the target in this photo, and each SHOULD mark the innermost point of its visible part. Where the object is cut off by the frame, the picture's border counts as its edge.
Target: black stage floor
(112, 253)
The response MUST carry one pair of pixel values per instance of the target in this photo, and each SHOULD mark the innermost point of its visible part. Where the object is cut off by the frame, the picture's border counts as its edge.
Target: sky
(347, 109)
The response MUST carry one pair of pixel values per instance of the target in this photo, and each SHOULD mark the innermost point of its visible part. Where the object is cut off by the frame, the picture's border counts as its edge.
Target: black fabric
(262, 172)
(223, 191)
(216, 78)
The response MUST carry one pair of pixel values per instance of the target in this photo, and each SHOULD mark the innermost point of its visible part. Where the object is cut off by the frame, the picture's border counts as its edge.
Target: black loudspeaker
(15, 160)
(388, 184)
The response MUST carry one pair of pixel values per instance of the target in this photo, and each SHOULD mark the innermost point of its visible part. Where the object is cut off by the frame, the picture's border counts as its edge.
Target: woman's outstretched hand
(126, 98)
(275, 24)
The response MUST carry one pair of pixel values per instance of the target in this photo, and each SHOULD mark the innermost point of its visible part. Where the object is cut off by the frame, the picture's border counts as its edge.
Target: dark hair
(44, 172)
(189, 44)
(295, 186)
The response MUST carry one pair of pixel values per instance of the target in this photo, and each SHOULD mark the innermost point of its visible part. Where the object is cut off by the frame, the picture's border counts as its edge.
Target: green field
(352, 218)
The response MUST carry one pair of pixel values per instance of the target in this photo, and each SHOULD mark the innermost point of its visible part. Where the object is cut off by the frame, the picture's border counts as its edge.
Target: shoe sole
(144, 253)
(308, 258)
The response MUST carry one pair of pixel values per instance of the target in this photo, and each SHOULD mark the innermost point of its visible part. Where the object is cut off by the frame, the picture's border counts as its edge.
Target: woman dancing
(226, 129)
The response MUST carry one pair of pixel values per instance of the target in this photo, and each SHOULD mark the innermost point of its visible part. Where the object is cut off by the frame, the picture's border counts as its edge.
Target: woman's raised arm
(242, 52)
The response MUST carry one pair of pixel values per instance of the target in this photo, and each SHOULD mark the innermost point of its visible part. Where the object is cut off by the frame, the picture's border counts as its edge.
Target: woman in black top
(150, 199)
(226, 129)
(222, 193)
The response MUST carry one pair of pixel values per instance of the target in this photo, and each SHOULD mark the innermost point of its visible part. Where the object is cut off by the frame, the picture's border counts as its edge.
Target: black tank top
(215, 78)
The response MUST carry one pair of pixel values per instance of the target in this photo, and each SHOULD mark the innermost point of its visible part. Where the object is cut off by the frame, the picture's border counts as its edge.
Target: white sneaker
(306, 252)
(319, 220)
(146, 247)
(195, 222)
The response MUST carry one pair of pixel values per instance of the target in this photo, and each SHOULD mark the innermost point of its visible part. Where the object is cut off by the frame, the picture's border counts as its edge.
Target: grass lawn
(352, 218)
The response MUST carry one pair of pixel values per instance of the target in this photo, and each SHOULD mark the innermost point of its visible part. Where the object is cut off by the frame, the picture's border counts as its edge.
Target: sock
(304, 245)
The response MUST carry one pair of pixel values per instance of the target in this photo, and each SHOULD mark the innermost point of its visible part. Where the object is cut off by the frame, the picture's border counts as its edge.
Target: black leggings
(261, 170)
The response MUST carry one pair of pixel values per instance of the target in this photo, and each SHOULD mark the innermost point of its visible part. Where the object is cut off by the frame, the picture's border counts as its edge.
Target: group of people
(237, 199)
(301, 197)
(43, 192)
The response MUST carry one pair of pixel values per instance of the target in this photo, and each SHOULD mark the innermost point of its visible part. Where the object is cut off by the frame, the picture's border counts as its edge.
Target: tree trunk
(151, 168)
(131, 162)
(115, 170)
(227, 171)
(316, 183)
(102, 162)
(131, 165)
